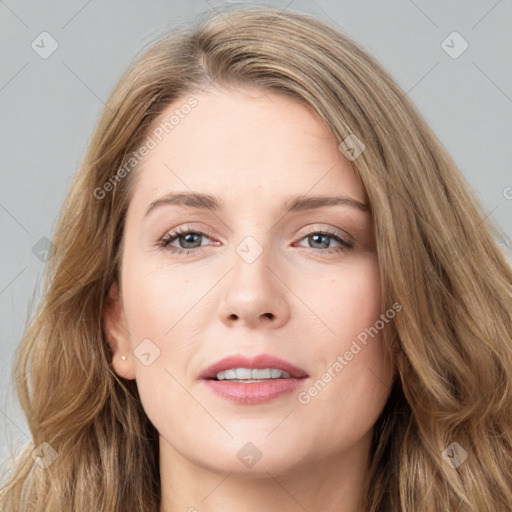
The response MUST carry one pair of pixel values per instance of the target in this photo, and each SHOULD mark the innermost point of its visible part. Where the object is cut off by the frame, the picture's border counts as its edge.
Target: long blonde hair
(438, 253)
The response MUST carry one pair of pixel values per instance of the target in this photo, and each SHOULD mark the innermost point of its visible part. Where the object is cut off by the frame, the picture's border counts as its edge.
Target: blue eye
(187, 236)
(319, 237)
(191, 240)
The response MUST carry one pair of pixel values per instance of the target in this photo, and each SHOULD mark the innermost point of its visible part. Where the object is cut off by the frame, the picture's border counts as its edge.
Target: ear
(118, 337)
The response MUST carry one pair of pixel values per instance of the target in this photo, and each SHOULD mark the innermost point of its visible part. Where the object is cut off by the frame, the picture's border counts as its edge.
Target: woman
(260, 370)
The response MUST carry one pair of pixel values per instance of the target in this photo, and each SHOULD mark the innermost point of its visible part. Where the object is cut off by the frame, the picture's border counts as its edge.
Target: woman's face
(255, 275)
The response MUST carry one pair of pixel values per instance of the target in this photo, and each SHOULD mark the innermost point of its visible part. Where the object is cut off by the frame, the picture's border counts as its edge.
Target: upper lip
(260, 361)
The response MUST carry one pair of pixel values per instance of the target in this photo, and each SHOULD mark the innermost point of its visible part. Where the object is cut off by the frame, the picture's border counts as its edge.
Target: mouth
(252, 380)
(248, 375)
(262, 367)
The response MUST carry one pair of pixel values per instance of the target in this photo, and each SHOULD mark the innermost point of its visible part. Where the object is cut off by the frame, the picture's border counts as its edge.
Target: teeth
(228, 374)
(252, 375)
(243, 373)
(258, 374)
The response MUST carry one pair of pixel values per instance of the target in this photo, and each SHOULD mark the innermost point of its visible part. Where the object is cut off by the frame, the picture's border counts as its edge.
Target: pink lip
(252, 392)
(260, 361)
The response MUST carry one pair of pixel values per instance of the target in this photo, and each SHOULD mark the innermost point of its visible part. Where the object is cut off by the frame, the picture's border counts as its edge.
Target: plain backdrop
(50, 103)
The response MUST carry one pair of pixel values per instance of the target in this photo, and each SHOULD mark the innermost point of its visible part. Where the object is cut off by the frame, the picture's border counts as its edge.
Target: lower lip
(253, 392)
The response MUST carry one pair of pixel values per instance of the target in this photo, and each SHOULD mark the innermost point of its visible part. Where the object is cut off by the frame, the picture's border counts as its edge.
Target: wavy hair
(439, 255)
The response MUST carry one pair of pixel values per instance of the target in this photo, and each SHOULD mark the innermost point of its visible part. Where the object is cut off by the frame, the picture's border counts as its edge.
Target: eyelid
(341, 233)
(307, 229)
(346, 243)
(315, 228)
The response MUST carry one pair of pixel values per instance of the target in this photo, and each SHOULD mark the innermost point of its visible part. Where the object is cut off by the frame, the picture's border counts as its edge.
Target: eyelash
(174, 235)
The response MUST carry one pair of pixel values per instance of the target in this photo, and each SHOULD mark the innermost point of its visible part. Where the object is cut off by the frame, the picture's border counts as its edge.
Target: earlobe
(117, 334)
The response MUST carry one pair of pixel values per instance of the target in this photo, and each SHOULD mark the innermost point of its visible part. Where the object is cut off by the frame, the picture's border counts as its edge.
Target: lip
(253, 392)
(259, 361)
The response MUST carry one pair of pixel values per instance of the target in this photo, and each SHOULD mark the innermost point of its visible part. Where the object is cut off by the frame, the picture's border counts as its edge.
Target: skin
(253, 149)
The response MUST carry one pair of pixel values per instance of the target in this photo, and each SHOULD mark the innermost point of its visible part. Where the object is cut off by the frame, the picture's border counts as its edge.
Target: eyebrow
(213, 203)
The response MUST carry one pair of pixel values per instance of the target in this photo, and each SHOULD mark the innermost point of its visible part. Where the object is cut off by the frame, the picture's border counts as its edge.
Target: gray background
(48, 108)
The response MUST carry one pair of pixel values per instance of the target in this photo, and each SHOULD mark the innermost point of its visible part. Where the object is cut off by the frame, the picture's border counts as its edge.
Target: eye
(188, 237)
(322, 237)
(189, 240)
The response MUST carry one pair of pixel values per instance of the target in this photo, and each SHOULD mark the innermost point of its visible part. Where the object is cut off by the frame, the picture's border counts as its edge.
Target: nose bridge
(252, 237)
(251, 260)
(253, 292)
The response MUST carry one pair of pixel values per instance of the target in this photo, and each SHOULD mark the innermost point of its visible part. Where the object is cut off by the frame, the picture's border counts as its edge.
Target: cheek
(153, 298)
(355, 371)
(362, 300)
(155, 310)
(347, 301)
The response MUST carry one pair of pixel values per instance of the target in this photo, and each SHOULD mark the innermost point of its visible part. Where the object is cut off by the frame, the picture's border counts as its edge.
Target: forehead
(248, 143)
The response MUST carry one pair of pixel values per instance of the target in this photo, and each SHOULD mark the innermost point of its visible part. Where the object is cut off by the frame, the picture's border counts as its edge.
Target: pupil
(315, 238)
(187, 237)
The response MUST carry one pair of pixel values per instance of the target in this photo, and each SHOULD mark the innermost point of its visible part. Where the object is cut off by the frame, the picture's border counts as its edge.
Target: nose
(254, 294)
